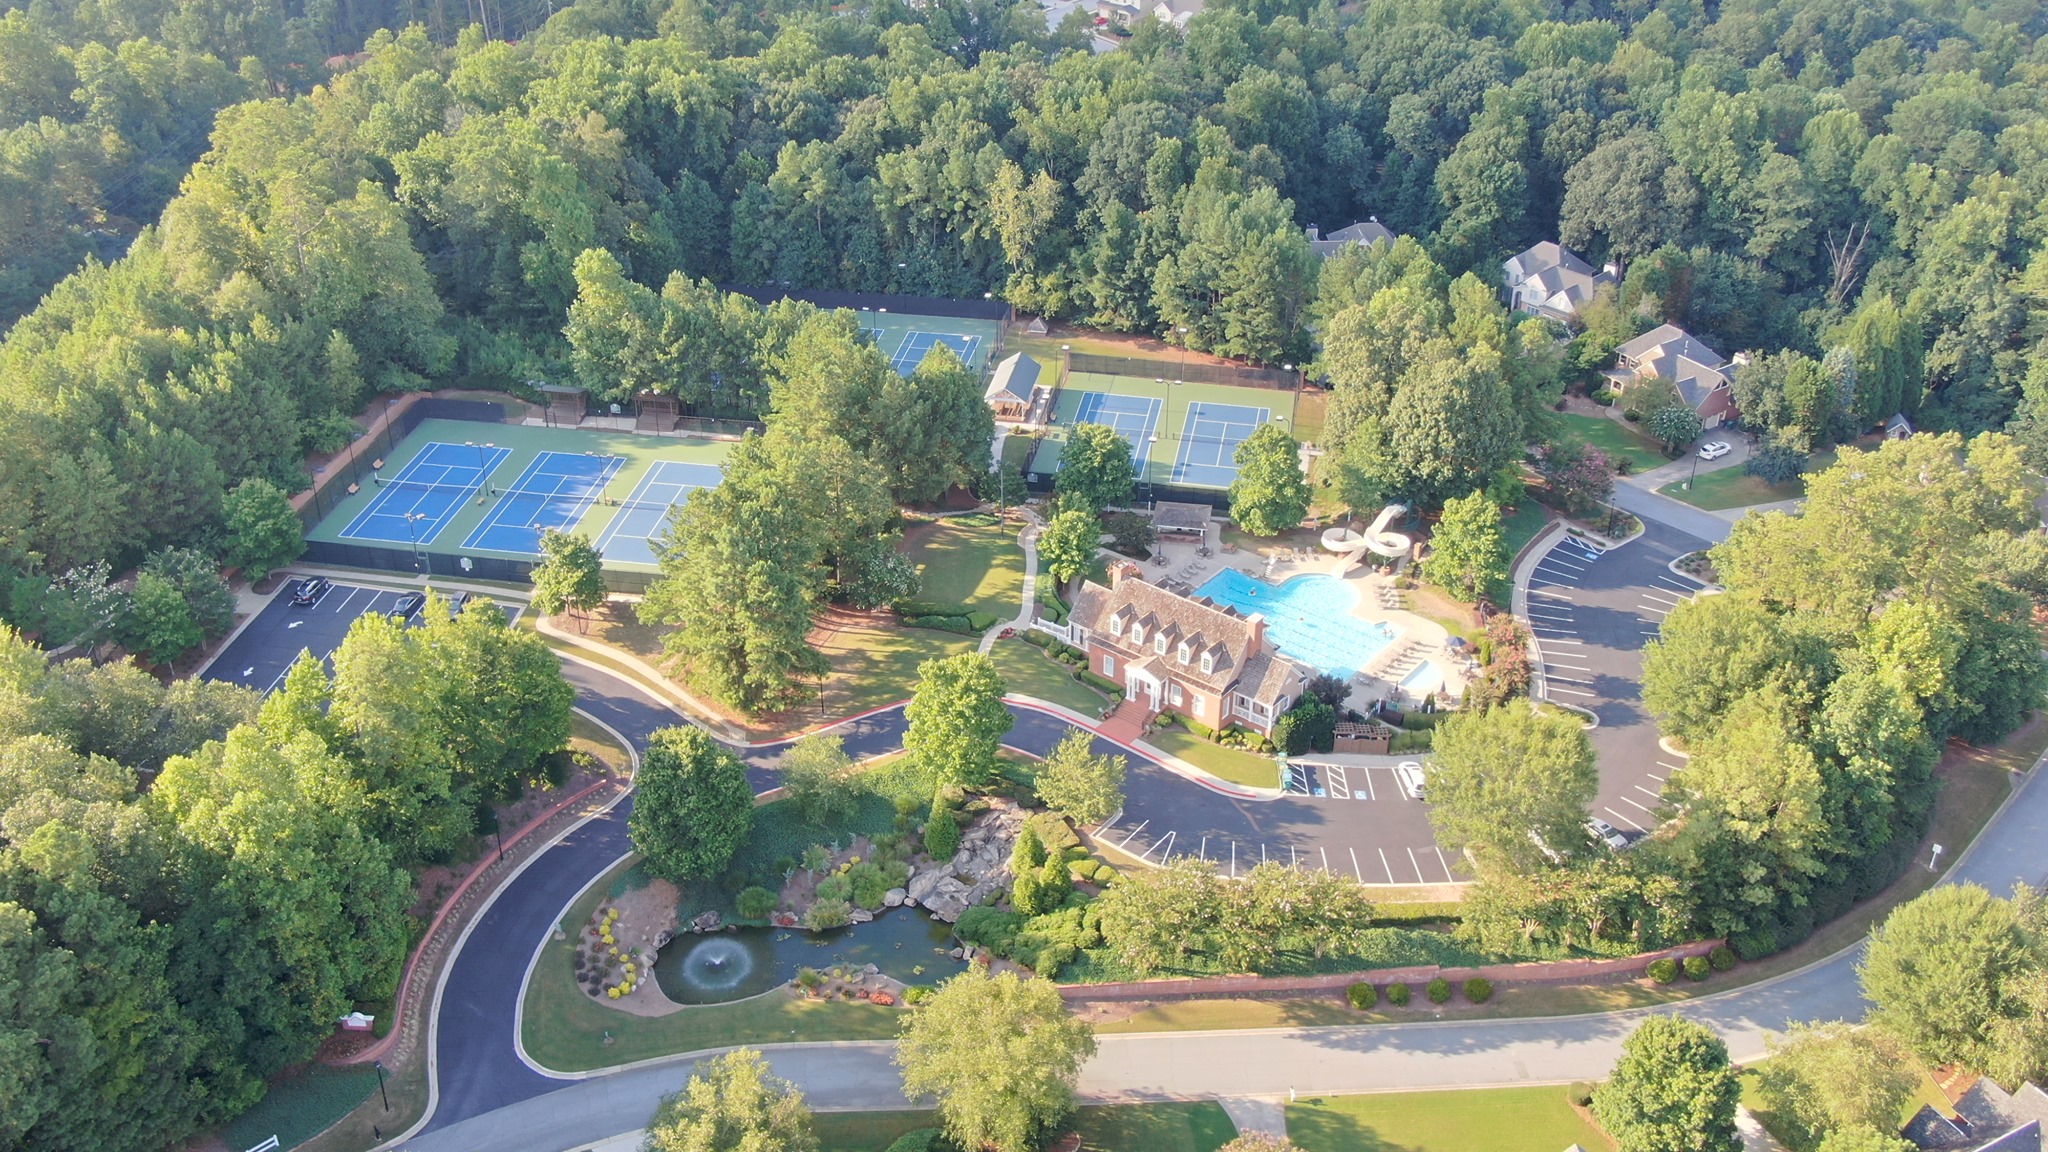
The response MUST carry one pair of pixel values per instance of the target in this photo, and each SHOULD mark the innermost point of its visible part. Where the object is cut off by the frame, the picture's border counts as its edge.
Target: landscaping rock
(924, 884)
(870, 970)
(894, 898)
(859, 916)
(705, 922)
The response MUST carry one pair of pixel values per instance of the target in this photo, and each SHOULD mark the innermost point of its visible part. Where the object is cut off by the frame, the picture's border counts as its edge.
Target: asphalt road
(266, 647)
(1183, 1065)
(1592, 613)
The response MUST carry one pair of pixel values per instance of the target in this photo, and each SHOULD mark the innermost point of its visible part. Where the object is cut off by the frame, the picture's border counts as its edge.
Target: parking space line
(1627, 800)
(1384, 864)
(1554, 577)
(1166, 844)
(1335, 778)
(1552, 558)
(1134, 833)
(1625, 820)
(1355, 870)
(1654, 776)
(1547, 592)
(1369, 793)
(351, 595)
(1551, 612)
(1205, 849)
(1448, 878)
(1233, 859)
(1650, 792)
(1417, 865)
(1560, 640)
(1571, 692)
(1568, 679)
(1656, 595)
(1326, 856)
(1688, 589)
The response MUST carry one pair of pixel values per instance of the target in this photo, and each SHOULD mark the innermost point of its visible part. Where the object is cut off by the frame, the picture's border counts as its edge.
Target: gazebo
(1182, 519)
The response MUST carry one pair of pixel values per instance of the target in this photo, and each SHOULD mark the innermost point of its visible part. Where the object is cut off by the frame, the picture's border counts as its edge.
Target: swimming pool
(1308, 618)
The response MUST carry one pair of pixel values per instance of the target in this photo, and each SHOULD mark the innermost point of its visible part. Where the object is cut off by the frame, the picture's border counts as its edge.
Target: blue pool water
(1308, 618)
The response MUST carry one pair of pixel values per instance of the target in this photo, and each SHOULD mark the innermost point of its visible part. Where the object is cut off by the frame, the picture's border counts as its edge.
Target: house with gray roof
(1987, 1119)
(1703, 377)
(1552, 280)
(1182, 653)
(1012, 387)
(1363, 234)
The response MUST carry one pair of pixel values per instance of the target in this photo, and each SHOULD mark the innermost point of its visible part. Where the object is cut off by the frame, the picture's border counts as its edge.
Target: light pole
(414, 533)
(1695, 470)
(1183, 330)
(379, 1066)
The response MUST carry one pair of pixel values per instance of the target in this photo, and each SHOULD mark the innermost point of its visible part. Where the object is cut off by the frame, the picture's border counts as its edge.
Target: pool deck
(1416, 640)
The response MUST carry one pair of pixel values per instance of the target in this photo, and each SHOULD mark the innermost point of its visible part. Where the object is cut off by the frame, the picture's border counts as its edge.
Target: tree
(197, 578)
(158, 624)
(883, 576)
(1451, 425)
(1581, 479)
(1269, 495)
(692, 806)
(263, 532)
(999, 1054)
(1823, 1078)
(732, 1102)
(1497, 776)
(1864, 1139)
(570, 575)
(1940, 970)
(1077, 783)
(815, 779)
(1069, 543)
(1673, 425)
(1468, 555)
(1775, 462)
(1710, 652)
(1628, 193)
(1095, 467)
(1673, 1090)
(957, 718)
(1159, 919)
(1310, 725)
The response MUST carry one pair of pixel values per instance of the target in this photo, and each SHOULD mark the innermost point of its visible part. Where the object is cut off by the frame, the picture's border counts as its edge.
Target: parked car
(1408, 773)
(310, 590)
(407, 605)
(1607, 833)
(458, 602)
(1715, 449)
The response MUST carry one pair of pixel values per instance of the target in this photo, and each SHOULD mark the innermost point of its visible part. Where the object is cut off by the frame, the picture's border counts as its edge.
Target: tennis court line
(454, 494)
(579, 503)
(911, 350)
(1193, 427)
(1096, 408)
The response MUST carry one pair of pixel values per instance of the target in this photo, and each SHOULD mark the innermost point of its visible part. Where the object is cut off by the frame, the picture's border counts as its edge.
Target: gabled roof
(1930, 1130)
(1223, 634)
(1013, 379)
(1545, 256)
(1365, 233)
(1667, 351)
(2025, 1138)
(1175, 516)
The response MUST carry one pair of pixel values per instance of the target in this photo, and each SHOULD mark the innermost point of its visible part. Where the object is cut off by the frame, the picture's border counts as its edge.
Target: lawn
(1734, 488)
(1026, 669)
(1311, 408)
(1614, 437)
(874, 664)
(1197, 1127)
(977, 565)
(299, 1105)
(1521, 526)
(1232, 764)
(1536, 1119)
(566, 1030)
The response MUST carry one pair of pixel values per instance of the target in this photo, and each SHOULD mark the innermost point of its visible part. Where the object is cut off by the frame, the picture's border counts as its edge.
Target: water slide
(1377, 538)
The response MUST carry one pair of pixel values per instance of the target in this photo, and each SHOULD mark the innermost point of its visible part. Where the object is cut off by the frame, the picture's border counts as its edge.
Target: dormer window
(1137, 633)
(1159, 643)
(1116, 625)
(1208, 663)
(1183, 653)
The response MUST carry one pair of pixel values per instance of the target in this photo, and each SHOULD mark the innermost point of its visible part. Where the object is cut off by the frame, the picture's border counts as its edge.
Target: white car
(1408, 774)
(1606, 833)
(1715, 449)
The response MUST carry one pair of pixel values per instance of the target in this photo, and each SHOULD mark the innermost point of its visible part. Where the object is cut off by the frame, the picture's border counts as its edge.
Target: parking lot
(263, 653)
(1592, 612)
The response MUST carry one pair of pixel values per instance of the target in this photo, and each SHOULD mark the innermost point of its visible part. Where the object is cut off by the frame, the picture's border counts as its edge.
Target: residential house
(1987, 1119)
(1702, 377)
(1183, 653)
(1551, 280)
(1364, 234)
(1012, 386)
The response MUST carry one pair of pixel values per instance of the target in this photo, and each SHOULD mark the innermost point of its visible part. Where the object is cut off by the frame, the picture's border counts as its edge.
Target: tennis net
(589, 489)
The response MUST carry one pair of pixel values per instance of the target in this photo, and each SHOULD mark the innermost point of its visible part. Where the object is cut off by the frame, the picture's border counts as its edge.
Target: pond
(721, 966)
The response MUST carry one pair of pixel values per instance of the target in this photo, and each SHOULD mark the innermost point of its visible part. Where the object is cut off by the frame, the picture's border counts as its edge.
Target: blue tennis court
(413, 506)
(628, 539)
(554, 492)
(1132, 417)
(910, 353)
(1209, 440)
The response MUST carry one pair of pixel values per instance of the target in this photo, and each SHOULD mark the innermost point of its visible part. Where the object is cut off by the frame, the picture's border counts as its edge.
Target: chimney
(1740, 359)
(1124, 570)
(1314, 233)
(1256, 625)
(1612, 269)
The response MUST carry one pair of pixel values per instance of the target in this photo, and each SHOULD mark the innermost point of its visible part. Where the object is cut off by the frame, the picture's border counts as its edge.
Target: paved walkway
(1027, 609)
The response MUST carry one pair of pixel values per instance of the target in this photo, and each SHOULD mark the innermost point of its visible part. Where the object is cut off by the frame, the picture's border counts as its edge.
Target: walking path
(1027, 539)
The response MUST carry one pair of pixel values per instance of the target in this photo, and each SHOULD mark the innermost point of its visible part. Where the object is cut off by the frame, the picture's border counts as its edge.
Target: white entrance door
(1137, 685)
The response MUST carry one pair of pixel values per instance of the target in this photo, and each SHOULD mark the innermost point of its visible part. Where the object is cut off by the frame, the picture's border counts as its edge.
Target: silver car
(1408, 773)
(1607, 833)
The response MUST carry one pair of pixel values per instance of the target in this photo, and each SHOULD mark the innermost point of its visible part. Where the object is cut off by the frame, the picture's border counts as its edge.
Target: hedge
(1422, 721)
(959, 624)
(1034, 636)
(1362, 995)
(1421, 741)
(1663, 970)
(1100, 683)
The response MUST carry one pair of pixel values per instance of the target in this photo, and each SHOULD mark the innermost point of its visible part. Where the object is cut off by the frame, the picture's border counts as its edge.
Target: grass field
(1199, 1127)
(876, 664)
(979, 566)
(1521, 526)
(1232, 764)
(297, 1106)
(1028, 670)
(1734, 488)
(1614, 437)
(1157, 462)
(524, 443)
(1497, 1120)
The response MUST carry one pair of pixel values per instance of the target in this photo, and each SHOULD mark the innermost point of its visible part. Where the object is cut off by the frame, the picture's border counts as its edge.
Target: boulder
(705, 922)
(894, 897)
(947, 906)
(859, 916)
(924, 884)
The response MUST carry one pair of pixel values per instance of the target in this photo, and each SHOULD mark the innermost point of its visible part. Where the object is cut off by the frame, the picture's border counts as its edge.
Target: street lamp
(414, 533)
(1183, 330)
(379, 1066)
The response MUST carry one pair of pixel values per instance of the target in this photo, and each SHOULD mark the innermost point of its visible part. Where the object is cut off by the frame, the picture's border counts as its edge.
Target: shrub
(916, 994)
(828, 914)
(1579, 1093)
(957, 624)
(1100, 683)
(755, 903)
(1696, 968)
(870, 884)
(808, 979)
(1362, 995)
(1721, 958)
(1034, 636)
(1397, 994)
(835, 888)
(1104, 873)
(922, 1140)
(1663, 970)
(981, 621)
(1055, 833)
(1439, 991)
(1081, 871)
(1478, 990)
(941, 833)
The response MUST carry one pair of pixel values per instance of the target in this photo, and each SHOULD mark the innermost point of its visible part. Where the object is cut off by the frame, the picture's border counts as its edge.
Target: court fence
(995, 310)
(1278, 379)
(353, 465)
(382, 558)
